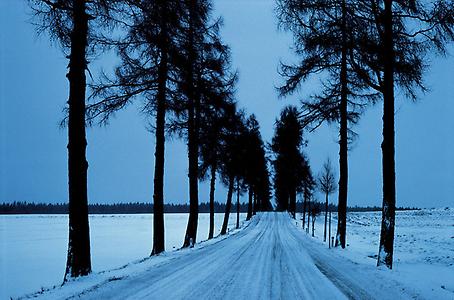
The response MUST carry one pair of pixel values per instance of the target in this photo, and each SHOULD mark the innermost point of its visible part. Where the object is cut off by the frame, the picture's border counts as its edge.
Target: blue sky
(33, 91)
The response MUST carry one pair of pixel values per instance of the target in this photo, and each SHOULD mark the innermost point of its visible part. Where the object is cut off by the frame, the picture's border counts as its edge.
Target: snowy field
(33, 247)
(423, 252)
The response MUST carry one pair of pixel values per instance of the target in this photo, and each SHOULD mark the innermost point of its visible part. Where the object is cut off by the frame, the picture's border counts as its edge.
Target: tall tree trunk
(191, 230)
(249, 207)
(308, 216)
(329, 231)
(78, 260)
(228, 206)
(343, 140)
(237, 203)
(292, 197)
(212, 189)
(326, 216)
(304, 209)
(313, 225)
(158, 189)
(254, 211)
(385, 253)
(193, 155)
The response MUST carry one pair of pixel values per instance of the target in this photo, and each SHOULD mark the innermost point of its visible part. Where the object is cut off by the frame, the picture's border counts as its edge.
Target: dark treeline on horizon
(17, 208)
(356, 208)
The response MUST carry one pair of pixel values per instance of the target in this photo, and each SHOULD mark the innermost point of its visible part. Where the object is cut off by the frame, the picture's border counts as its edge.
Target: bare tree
(327, 185)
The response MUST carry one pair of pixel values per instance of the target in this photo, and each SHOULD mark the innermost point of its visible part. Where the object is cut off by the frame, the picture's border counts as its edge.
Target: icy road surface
(269, 259)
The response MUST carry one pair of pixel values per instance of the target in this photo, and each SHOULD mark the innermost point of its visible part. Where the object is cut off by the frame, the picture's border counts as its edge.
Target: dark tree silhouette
(231, 167)
(228, 206)
(262, 186)
(210, 153)
(289, 163)
(315, 211)
(196, 20)
(323, 32)
(255, 167)
(212, 130)
(217, 102)
(74, 24)
(262, 194)
(308, 186)
(149, 59)
(376, 49)
(243, 159)
(250, 202)
(238, 192)
(327, 185)
(79, 261)
(392, 42)
(204, 59)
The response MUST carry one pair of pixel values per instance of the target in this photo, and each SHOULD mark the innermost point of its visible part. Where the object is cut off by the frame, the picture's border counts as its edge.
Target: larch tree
(393, 39)
(149, 54)
(197, 69)
(255, 160)
(262, 190)
(257, 175)
(289, 162)
(245, 158)
(217, 91)
(214, 121)
(327, 185)
(238, 193)
(307, 187)
(322, 36)
(75, 26)
(210, 155)
(197, 16)
(232, 160)
(377, 37)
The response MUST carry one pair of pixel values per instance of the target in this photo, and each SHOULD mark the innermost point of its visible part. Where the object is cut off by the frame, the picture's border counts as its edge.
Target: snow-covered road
(269, 259)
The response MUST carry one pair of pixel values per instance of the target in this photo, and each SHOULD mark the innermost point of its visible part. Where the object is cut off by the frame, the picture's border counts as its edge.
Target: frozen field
(423, 249)
(33, 247)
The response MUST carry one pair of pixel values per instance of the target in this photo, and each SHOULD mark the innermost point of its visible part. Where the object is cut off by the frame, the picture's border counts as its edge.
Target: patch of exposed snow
(423, 248)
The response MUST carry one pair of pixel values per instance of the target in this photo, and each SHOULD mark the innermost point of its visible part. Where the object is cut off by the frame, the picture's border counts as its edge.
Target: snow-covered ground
(272, 257)
(423, 249)
(33, 247)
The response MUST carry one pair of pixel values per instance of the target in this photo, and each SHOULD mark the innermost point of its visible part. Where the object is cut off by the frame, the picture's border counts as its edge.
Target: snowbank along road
(269, 259)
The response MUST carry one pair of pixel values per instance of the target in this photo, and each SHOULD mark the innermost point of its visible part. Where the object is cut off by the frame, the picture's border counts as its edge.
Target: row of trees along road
(172, 61)
(364, 49)
(292, 173)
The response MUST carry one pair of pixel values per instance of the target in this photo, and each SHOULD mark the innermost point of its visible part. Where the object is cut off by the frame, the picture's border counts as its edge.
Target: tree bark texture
(78, 259)
(385, 253)
(228, 206)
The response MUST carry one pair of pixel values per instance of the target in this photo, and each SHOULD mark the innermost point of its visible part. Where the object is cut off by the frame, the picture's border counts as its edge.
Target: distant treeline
(144, 208)
(117, 208)
(333, 207)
